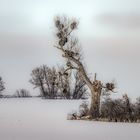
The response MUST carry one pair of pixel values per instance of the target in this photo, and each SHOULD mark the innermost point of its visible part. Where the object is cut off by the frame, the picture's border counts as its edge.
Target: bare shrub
(83, 109)
(2, 87)
(120, 110)
(137, 109)
(22, 93)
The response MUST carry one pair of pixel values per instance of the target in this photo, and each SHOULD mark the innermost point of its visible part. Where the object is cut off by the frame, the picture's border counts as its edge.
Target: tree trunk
(94, 110)
(42, 89)
(96, 90)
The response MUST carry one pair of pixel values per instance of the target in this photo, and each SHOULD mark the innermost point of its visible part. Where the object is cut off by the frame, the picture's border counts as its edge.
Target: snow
(38, 119)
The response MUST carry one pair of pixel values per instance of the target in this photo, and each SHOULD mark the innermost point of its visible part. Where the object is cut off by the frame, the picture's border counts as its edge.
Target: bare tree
(68, 45)
(80, 90)
(51, 81)
(128, 107)
(22, 93)
(38, 80)
(64, 83)
(56, 83)
(1, 86)
(46, 79)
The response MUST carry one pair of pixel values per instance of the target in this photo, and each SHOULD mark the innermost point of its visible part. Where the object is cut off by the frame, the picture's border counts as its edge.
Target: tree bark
(42, 89)
(96, 88)
(94, 110)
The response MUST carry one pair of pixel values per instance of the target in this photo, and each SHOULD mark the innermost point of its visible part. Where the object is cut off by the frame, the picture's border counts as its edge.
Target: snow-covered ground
(37, 119)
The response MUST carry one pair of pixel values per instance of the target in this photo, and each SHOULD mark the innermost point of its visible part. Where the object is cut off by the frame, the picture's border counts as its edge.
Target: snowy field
(37, 119)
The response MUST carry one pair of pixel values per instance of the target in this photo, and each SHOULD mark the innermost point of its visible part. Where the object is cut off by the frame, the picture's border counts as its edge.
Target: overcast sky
(109, 32)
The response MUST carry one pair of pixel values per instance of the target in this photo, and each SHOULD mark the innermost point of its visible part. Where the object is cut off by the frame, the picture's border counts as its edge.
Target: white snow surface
(38, 119)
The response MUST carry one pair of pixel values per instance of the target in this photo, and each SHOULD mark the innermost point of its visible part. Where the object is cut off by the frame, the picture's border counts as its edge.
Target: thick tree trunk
(94, 110)
(42, 89)
(96, 90)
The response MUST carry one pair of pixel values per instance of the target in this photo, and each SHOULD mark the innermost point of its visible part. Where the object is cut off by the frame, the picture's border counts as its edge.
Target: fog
(109, 33)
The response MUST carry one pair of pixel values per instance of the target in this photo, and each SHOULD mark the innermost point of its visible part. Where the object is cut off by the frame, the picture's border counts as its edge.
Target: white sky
(109, 32)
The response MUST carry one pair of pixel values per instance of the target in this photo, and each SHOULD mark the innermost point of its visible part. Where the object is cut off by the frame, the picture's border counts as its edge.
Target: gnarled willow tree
(69, 47)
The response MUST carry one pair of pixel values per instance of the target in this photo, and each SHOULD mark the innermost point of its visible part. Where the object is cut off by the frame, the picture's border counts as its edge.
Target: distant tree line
(58, 83)
(21, 93)
(18, 94)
